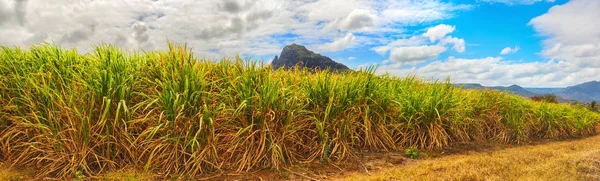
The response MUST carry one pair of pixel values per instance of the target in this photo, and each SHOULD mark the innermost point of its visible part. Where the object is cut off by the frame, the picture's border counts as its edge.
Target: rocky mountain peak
(295, 54)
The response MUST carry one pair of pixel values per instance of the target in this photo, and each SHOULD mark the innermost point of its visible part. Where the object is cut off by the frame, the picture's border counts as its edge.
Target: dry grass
(126, 175)
(6, 174)
(566, 160)
(9, 174)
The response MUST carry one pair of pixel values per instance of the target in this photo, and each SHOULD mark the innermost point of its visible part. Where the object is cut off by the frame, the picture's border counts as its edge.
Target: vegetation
(550, 98)
(593, 106)
(72, 115)
(411, 152)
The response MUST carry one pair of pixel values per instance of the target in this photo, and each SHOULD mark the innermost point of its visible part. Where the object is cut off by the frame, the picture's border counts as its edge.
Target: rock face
(295, 54)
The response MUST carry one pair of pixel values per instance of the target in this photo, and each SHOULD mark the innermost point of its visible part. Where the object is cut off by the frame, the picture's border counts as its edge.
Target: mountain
(295, 54)
(513, 88)
(586, 92)
(545, 90)
(517, 90)
(470, 86)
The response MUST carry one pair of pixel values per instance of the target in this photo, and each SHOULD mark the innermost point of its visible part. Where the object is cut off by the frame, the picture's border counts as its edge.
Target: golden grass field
(562, 160)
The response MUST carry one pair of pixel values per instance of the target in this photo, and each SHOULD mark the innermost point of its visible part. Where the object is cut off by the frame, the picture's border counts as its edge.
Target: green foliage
(550, 98)
(411, 152)
(79, 175)
(173, 113)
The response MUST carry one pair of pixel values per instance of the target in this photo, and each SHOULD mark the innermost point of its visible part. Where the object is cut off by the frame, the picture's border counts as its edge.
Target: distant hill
(517, 90)
(513, 88)
(545, 90)
(585, 92)
(470, 86)
(295, 54)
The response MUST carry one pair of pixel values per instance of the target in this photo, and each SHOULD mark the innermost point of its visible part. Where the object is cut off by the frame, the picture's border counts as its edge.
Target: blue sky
(533, 43)
(486, 27)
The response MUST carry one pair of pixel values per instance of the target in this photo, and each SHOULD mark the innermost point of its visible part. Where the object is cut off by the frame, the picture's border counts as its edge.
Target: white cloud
(516, 2)
(357, 20)
(412, 41)
(4, 13)
(405, 12)
(351, 58)
(212, 28)
(416, 54)
(509, 50)
(417, 49)
(570, 36)
(496, 71)
(230, 6)
(438, 32)
(140, 32)
(458, 44)
(381, 50)
(338, 44)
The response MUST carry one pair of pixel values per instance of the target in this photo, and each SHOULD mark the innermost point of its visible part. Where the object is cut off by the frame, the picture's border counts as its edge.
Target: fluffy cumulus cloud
(415, 54)
(356, 20)
(509, 50)
(458, 44)
(438, 32)
(339, 44)
(572, 32)
(213, 28)
(423, 47)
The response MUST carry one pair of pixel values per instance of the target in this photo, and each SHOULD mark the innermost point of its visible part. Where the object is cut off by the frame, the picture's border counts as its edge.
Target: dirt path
(563, 160)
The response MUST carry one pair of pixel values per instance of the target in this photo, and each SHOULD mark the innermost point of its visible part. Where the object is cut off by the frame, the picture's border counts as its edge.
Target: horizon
(530, 43)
